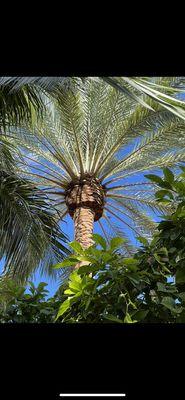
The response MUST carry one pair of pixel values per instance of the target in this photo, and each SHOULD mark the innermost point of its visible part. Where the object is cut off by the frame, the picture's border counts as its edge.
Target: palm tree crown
(89, 142)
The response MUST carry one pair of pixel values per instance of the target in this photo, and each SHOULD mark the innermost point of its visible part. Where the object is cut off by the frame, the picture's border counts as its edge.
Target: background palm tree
(89, 143)
(30, 236)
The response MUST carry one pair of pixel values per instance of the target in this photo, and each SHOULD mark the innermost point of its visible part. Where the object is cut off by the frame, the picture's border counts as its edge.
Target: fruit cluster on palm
(89, 140)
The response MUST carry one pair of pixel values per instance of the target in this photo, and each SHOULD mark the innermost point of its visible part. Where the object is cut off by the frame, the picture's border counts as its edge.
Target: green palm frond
(101, 131)
(29, 233)
(157, 89)
(24, 104)
(8, 154)
(112, 230)
(24, 98)
(47, 83)
(139, 219)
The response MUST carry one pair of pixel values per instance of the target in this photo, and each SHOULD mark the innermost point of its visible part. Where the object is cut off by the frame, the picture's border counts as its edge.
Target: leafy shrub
(107, 288)
(126, 290)
(17, 306)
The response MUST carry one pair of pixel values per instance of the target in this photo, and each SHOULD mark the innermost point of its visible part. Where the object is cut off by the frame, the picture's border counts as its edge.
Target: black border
(119, 57)
(140, 360)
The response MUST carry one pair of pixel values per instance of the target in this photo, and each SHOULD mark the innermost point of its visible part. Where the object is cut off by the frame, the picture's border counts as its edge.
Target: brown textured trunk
(84, 222)
(85, 201)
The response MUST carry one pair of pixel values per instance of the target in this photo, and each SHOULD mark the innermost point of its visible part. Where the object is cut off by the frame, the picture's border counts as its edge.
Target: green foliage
(171, 231)
(157, 90)
(18, 305)
(29, 234)
(137, 289)
(111, 288)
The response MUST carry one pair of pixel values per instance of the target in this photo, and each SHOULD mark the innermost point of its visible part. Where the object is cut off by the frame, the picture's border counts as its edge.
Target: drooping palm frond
(170, 136)
(8, 154)
(112, 229)
(158, 89)
(29, 233)
(48, 83)
(24, 104)
(103, 132)
(23, 97)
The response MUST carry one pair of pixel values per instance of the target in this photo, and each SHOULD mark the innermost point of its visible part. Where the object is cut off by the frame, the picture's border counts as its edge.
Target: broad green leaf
(87, 282)
(179, 187)
(163, 250)
(88, 303)
(106, 257)
(75, 286)
(180, 275)
(63, 308)
(111, 317)
(135, 279)
(74, 277)
(42, 285)
(142, 240)
(128, 319)
(131, 263)
(161, 287)
(167, 289)
(140, 315)
(116, 242)
(87, 269)
(76, 247)
(163, 192)
(169, 303)
(169, 176)
(154, 178)
(100, 240)
(68, 291)
(89, 259)
(158, 259)
(182, 296)
(67, 304)
(66, 263)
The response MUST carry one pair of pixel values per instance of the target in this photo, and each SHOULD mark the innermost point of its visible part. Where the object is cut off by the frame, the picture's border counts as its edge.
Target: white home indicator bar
(92, 394)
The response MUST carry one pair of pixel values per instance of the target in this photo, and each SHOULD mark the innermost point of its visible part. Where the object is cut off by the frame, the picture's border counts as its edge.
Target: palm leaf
(29, 233)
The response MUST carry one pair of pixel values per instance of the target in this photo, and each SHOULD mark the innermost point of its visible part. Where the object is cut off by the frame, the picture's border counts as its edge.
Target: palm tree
(29, 233)
(89, 144)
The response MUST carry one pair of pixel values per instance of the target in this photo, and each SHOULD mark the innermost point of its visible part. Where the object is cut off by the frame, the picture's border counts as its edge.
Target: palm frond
(145, 86)
(113, 229)
(29, 233)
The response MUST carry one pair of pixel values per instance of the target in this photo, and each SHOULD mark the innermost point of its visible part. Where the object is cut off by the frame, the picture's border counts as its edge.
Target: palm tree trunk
(84, 223)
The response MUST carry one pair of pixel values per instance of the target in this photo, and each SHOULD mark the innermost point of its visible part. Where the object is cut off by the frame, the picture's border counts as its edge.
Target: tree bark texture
(84, 223)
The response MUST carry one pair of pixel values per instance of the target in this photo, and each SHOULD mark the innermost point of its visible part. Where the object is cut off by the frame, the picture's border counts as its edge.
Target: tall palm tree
(88, 145)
